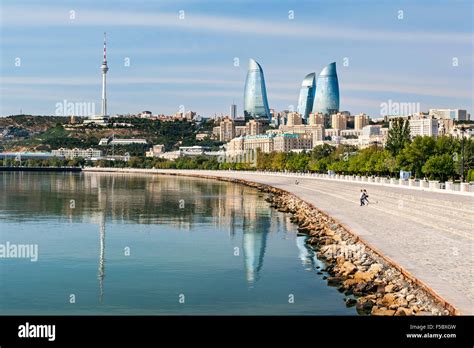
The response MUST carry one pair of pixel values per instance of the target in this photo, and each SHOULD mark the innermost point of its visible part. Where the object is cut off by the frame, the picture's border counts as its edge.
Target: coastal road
(429, 234)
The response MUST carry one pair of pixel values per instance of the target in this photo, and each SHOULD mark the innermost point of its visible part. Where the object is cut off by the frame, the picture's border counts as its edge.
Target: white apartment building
(76, 153)
(423, 127)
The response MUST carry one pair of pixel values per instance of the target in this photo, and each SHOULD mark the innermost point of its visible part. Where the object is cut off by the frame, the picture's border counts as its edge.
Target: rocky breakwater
(369, 282)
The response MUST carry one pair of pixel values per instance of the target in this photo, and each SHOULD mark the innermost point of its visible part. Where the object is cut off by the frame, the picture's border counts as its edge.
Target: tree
(439, 167)
(398, 136)
(414, 155)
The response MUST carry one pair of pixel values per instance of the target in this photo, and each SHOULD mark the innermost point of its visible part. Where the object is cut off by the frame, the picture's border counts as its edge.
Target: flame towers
(327, 91)
(306, 99)
(255, 93)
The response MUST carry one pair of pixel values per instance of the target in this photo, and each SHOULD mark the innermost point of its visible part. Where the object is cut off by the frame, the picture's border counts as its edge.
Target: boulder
(402, 311)
(335, 281)
(347, 268)
(382, 311)
(388, 300)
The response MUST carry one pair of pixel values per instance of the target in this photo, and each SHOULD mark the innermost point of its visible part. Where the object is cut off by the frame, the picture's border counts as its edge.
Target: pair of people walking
(364, 198)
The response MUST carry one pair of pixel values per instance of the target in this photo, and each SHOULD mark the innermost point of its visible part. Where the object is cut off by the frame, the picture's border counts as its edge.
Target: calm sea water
(130, 244)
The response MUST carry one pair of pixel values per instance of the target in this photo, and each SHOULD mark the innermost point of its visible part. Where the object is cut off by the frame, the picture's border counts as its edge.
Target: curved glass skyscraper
(327, 91)
(306, 99)
(255, 93)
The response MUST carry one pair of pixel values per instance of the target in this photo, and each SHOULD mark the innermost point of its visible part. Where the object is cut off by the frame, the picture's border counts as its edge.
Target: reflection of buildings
(306, 255)
(254, 244)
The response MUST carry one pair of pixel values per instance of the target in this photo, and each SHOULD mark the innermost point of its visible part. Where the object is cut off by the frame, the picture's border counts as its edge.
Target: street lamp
(462, 130)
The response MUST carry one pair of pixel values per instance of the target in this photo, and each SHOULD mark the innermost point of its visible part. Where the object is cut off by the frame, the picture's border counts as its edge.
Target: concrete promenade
(429, 234)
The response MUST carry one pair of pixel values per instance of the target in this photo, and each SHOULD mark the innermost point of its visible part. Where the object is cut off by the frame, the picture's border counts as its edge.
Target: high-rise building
(360, 121)
(306, 99)
(424, 127)
(255, 93)
(453, 114)
(316, 118)
(326, 99)
(254, 127)
(339, 121)
(293, 119)
(233, 111)
(226, 130)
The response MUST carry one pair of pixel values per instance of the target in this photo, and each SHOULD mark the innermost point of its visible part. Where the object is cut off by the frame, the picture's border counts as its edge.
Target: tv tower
(104, 69)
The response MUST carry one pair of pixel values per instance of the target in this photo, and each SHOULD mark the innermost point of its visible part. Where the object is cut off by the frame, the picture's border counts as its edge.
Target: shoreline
(41, 169)
(355, 267)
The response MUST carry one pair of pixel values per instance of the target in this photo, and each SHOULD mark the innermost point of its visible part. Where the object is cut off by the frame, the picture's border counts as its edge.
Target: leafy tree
(439, 167)
(398, 136)
(414, 155)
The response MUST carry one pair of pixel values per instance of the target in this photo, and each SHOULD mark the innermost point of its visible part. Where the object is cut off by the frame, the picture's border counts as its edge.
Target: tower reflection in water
(232, 206)
(306, 254)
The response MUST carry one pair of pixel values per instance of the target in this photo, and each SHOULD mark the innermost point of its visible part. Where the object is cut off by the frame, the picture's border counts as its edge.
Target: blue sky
(190, 61)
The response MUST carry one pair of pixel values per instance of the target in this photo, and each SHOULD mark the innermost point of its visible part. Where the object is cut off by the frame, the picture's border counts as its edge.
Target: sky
(166, 56)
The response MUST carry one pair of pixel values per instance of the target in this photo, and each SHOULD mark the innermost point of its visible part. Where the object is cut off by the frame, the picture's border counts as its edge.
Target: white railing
(422, 185)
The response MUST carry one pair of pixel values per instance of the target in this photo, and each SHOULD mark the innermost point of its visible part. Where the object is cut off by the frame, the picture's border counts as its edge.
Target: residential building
(226, 130)
(453, 114)
(423, 127)
(293, 119)
(254, 127)
(76, 153)
(339, 121)
(155, 151)
(360, 121)
(316, 118)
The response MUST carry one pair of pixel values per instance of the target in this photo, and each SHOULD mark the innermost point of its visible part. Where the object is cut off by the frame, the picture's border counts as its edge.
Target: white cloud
(47, 16)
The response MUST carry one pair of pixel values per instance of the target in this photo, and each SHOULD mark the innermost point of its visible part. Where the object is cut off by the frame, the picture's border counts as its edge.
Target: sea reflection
(103, 198)
(183, 231)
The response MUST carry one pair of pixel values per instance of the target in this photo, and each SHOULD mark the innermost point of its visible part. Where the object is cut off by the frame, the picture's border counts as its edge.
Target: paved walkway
(429, 234)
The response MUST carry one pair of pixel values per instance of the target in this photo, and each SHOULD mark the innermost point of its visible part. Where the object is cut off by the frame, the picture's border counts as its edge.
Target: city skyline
(197, 58)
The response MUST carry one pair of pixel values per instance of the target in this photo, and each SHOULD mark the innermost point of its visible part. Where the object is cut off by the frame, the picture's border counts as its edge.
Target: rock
(382, 311)
(347, 268)
(388, 300)
(335, 281)
(402, 311)
(364, 306)
(350, 302)
(363, 276)
(375, 268)
(340, 260)
(350, 282)
(401, 302)
(389, 288)
(410, 297)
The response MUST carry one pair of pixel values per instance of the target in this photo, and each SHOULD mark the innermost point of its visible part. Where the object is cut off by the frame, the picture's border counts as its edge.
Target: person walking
(366, 197)
(362, 198)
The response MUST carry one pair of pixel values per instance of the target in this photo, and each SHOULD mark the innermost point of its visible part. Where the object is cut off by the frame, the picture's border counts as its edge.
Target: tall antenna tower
(104, 69)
